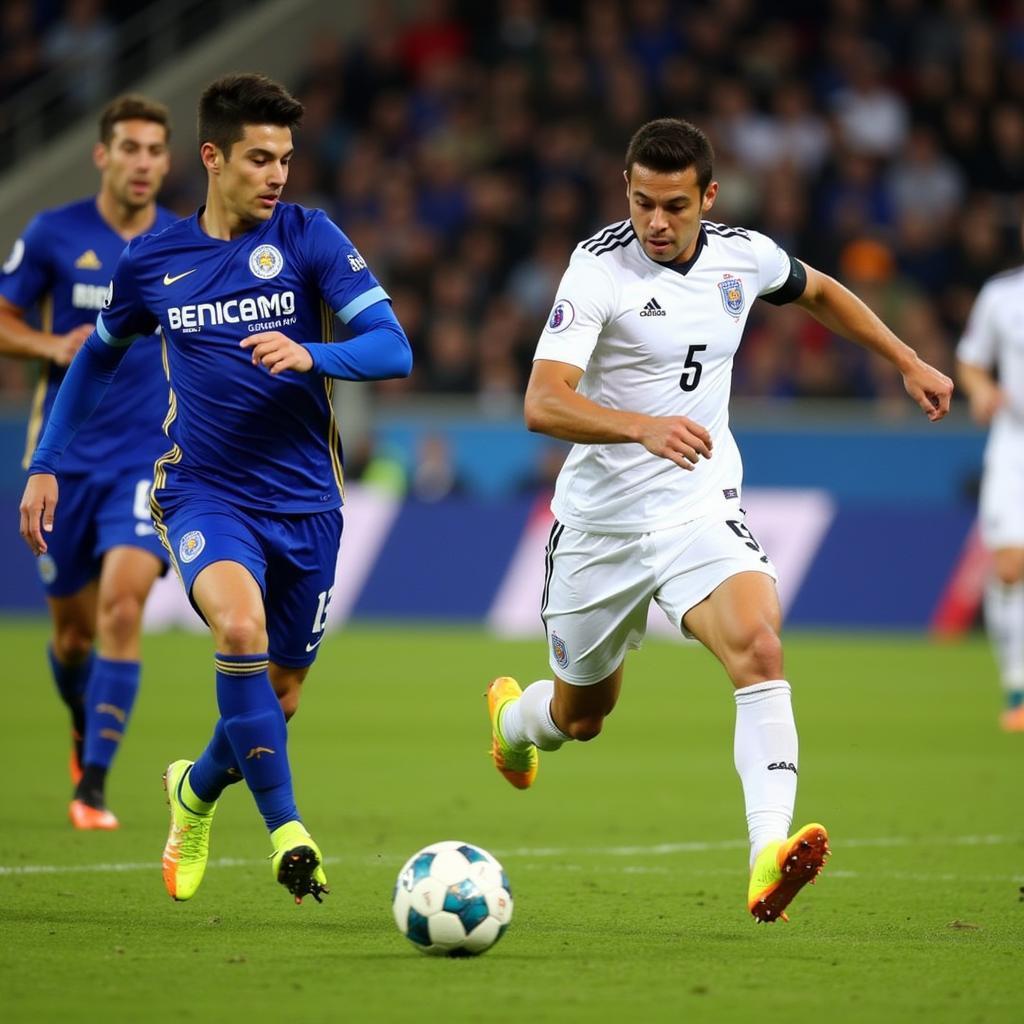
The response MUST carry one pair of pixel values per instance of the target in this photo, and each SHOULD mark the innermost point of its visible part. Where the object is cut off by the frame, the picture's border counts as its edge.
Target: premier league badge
(731, 290)
(562, 315)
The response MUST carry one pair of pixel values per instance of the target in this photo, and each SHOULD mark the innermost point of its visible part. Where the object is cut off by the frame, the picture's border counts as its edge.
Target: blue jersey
(62, 265)
(263, 442)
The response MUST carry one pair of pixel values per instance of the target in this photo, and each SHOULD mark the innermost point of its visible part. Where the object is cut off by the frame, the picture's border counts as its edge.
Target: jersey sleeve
(124, 316)
(28, 271)
(345, 281)
(979, 345)
(584, 303)
(773, 263)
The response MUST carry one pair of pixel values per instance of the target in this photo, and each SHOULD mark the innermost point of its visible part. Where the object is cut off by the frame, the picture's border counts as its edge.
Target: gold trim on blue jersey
(169, 458)
(35, 416)
(327, 331)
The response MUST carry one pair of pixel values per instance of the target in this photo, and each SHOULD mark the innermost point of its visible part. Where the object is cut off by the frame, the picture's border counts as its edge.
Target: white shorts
(598, 586)
(1001, 507)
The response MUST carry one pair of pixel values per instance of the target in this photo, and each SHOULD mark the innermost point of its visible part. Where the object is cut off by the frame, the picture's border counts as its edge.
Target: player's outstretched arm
(842, 312)
(37, 509)
(378, 349)
(21, 341)
(553, 406)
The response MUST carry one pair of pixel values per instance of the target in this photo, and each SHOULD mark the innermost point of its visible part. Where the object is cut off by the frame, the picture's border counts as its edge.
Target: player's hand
(676, 438)
(278, 352)
(985, 402)
(66, 345)
(37, 507)
(928, 387)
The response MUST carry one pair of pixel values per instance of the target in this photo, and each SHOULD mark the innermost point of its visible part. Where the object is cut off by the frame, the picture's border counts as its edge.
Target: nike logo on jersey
(177, 277)
(313, 646)
(653, 309)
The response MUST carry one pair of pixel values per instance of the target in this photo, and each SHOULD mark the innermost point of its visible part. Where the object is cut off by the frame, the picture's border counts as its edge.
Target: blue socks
(254, 724)
(113, 687)
(216, 768)
(71, 682)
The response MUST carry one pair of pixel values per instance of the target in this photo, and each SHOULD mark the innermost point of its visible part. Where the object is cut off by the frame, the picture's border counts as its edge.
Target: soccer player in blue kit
(247, 500)
(106, 556)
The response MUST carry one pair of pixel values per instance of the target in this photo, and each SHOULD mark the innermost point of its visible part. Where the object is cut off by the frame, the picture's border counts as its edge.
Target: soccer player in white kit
(994, 342)
(634, 367)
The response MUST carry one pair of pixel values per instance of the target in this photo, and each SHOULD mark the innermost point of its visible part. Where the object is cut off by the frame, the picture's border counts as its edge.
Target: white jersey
(656, 339)
(994, 339)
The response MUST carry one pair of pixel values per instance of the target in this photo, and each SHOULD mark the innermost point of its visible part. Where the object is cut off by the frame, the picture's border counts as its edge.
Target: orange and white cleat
(88, 818)
(783, 868)
(517, 764)
(1012, 719)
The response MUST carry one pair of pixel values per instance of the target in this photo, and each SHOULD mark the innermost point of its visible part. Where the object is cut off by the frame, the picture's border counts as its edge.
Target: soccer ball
(452, 899)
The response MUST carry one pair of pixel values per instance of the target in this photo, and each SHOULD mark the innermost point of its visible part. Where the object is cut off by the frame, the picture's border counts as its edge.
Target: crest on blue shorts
(47, 568)
(191, 545)
(731, 290)
(559, 650)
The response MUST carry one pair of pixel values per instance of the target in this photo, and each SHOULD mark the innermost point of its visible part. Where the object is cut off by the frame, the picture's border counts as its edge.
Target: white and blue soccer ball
(452, 899)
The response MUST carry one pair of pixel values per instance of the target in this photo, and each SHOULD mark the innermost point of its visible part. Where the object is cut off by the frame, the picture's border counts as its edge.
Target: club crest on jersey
(562, 315)
(191, 545)
(559, 650)
(265, 261)
(731, 290)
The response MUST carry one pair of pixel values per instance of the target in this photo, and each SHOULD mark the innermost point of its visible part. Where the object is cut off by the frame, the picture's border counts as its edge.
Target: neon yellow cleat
(519, 766)
(783, 868)
(188, 842)
(297, 862)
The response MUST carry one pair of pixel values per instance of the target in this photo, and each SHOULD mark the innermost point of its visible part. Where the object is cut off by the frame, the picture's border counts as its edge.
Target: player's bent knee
(240, 633)
(120, 618)
(758, 659)
(72, 644)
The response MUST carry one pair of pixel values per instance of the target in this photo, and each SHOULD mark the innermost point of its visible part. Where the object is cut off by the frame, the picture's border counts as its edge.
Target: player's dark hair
(671, 144)
(230, 103)
(132, 106)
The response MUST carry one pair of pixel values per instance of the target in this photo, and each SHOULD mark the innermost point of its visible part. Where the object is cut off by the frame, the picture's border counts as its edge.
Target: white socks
(1004, 618)
(528, 720)
(765, 751)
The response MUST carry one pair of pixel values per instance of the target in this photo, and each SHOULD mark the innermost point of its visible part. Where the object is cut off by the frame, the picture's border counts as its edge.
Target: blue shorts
(97, 512)
(291, 557)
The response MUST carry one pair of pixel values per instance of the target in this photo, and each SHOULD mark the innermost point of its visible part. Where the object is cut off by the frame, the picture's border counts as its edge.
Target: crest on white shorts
(559, 650)
(191, 545)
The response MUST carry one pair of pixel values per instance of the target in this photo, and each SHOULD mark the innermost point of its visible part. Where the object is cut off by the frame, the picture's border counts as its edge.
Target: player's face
(134, 163)
(666, 209)
(250, 182)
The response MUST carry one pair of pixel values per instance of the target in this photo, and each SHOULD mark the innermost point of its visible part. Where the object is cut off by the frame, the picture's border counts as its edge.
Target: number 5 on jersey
(692, 370)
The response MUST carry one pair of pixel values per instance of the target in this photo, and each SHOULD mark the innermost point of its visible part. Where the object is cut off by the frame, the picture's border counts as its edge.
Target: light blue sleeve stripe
(361, 302)
(109, 338)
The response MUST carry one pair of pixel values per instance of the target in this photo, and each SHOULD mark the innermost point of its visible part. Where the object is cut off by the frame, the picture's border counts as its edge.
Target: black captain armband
(790, 289)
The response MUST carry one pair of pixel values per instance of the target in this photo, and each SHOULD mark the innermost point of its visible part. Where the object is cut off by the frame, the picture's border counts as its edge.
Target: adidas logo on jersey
(653, 309)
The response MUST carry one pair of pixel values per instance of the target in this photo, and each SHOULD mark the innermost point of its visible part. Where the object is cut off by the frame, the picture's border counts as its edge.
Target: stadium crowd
(467, 149)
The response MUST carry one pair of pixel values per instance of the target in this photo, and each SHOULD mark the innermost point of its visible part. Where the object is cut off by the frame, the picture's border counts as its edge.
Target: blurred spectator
(81, 47)
(434, 475)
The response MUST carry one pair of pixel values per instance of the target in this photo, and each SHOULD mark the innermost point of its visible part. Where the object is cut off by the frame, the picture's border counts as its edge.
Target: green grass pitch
(627, 859)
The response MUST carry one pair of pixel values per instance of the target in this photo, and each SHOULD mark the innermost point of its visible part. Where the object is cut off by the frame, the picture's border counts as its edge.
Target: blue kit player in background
(106, 556)
(247, 293)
